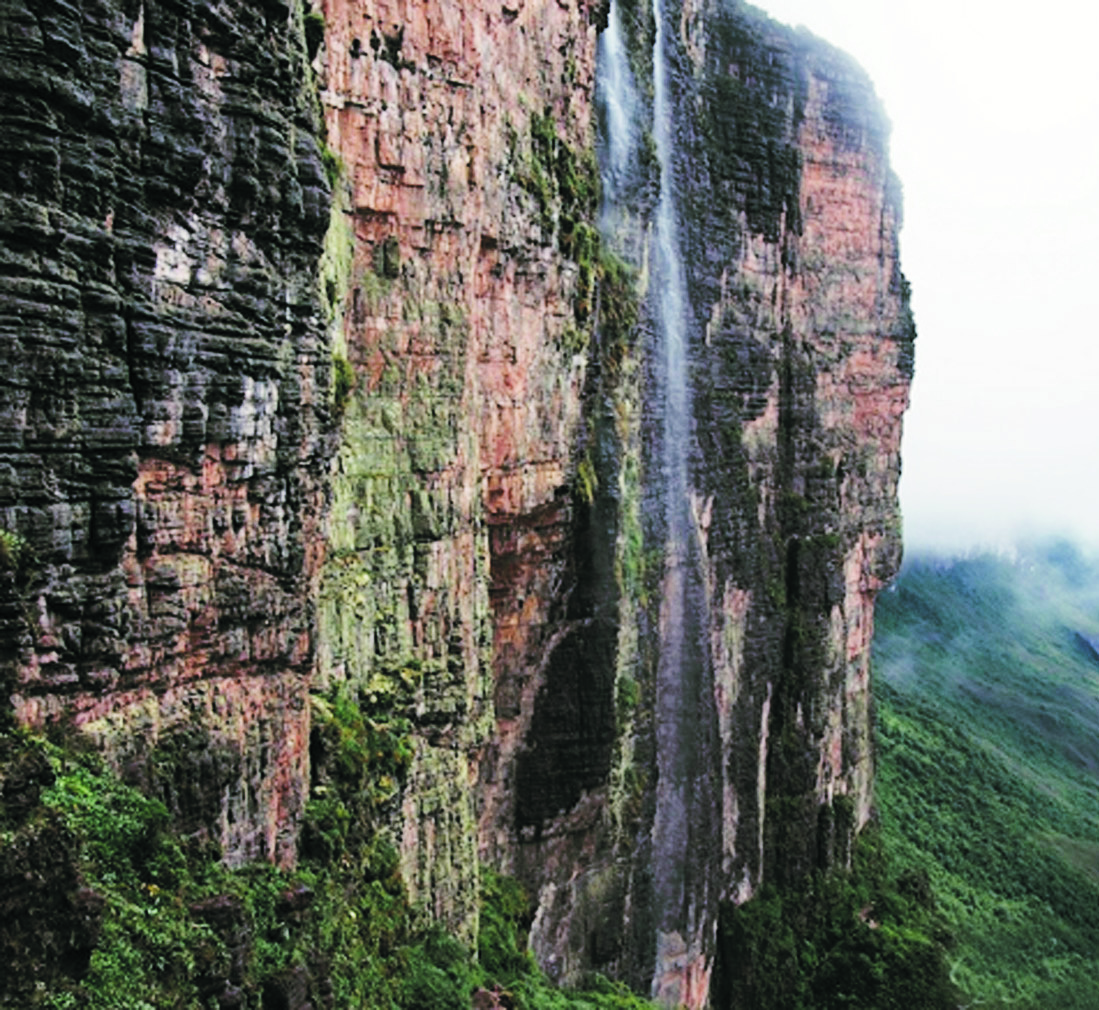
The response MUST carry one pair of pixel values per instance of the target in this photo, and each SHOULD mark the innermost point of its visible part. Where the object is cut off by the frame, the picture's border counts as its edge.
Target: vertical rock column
(162, 459)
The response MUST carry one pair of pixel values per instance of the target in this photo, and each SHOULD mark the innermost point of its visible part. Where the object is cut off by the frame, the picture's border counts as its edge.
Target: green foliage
(334, 168)
(565, 185)
(440, 974)
(582, 243)
(627, 697)
(587, 480)
(338, 256)
(147, 948)
(13, 550)
(506, 965)
(618, 308)
(119, 826)
(174, 919)
(360, 763)
(505, 919)
(539, 178)
(575, 340)
(863, 938)
(343, 915)
(632, 562)
(988, 709)
(343, 381)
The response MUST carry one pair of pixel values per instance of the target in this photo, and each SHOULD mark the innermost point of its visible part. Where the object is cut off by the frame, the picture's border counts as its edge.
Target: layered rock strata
(466, 136)
(751, 746)
(388, 419)
(162, 410)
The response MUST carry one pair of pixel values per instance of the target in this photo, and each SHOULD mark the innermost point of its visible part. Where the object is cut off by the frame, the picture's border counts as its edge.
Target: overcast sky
(995, 126)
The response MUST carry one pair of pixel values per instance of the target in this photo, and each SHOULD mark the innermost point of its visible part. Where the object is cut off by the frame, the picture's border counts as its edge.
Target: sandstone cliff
(467, 139)
(754, 744)
(323, 382)
(164, 405)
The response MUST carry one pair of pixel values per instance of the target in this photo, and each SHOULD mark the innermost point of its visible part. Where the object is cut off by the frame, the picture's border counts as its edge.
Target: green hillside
(988, 717)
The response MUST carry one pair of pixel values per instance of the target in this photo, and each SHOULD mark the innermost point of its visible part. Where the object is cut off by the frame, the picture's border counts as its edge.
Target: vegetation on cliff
(988, 712)
(206, 353)
(105, 906)
(869, 937)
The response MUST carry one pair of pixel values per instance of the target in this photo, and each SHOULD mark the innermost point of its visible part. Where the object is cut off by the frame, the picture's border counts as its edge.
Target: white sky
(995, 111)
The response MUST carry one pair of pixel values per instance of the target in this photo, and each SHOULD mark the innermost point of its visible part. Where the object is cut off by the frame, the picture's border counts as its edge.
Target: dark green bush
(440, 974)
(863, 938)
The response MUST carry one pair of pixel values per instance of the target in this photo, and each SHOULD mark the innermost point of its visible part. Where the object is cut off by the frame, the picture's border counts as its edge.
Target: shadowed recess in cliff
(572, 730)
(575, 723)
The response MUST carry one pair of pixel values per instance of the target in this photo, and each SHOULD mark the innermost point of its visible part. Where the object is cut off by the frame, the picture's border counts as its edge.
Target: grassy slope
(988, 711)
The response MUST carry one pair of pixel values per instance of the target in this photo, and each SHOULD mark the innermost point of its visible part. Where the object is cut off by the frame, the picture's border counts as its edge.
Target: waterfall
(617, 99)
(670, 287)
(683, 824)
(679, 666)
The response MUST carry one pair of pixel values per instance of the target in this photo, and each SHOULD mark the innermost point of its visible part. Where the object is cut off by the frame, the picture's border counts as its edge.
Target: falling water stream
(618, 99)
(679, 666)
(682, 819)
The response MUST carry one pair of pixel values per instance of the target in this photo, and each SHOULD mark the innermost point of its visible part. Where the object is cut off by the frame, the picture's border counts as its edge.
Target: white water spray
(682, 797)
(615, 91)
(683, 789)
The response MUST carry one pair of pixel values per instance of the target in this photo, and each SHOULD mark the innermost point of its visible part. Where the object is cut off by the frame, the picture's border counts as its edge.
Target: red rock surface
(211, 535)
(801, 345)
(429, 107)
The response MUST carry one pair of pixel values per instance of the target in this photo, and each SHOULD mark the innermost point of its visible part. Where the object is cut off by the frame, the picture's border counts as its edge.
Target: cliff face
(466, 136)
(164, 471)
(769, 505)
(411, 433)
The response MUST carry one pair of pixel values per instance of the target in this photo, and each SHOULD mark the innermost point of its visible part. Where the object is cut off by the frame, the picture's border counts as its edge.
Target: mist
(995, 141)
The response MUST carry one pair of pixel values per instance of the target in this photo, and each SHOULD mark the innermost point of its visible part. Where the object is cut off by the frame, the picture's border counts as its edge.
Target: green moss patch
(107, 907)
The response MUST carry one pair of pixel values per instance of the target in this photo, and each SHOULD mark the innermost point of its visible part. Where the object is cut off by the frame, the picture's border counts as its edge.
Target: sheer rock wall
(162, 411)
(318, 381)
(462, 314)
(799, 344)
